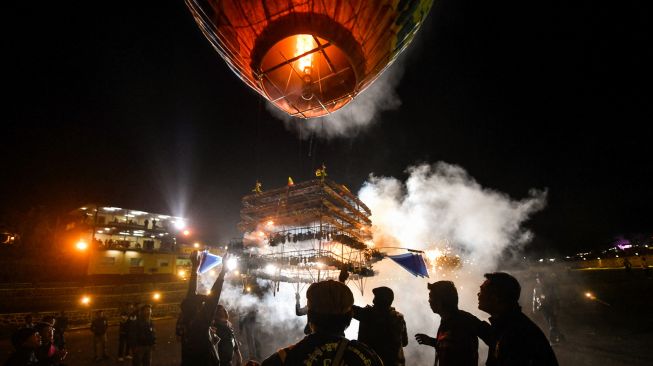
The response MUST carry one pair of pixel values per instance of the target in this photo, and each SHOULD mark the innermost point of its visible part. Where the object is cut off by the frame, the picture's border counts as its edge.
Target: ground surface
(620, 333)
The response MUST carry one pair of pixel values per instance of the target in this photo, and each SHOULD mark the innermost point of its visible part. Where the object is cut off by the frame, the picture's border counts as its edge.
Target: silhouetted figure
(627, 265)
(329, 314)
(546, 301)
(301, 311)
(227, 344)
(123, 336)
(99, 327)
(60, 327)
(147, 223)
(48, 354)
(456, 342)
(25, 342)
(142, 337)
(382, 328)
(248, 326)
(516, 340)
(199, 349)
(29, 321)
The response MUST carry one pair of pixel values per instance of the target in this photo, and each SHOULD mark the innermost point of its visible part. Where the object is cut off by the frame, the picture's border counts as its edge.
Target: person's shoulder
(363, 353)
(468, 318)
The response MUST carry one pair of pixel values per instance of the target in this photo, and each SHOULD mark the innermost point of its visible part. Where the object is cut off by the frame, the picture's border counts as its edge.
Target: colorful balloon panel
(309, 58)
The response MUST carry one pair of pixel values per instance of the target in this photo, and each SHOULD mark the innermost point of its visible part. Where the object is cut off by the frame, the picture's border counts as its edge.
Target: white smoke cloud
(442, 203)
(437, 203)
(355, 116)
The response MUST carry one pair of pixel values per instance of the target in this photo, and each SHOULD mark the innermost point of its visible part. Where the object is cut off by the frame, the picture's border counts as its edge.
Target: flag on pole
(208, 261)
(411, 262)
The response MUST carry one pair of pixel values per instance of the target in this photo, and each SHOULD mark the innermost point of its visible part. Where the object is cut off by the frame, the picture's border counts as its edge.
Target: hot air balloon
(309, 58)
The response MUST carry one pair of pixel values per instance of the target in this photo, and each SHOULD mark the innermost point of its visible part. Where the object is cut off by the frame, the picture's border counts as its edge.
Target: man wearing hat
(383, 328)
(329, 314)
(25, 341)
(456, 342)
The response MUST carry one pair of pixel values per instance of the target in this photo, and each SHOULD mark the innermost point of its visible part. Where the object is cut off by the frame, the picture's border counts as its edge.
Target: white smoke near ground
(442, 203)
(359, 114)
(438, 203)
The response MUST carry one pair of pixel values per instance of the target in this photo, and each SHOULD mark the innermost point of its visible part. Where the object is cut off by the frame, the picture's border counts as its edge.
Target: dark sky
(126, 103)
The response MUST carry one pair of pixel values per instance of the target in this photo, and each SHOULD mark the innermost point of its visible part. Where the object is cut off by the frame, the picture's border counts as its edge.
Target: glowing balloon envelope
(309, 58)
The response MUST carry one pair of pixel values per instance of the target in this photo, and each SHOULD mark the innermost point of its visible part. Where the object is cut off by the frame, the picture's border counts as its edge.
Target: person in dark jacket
(48, 354)
(224, 337)
(329, 314)
(516, 340)
(99, 327)
(60, 327)
(546, 301)
(303, 310)
(199, 348)
(123, 336)
(25, 342)
(456, 342)
(382, 328)
(142, 337)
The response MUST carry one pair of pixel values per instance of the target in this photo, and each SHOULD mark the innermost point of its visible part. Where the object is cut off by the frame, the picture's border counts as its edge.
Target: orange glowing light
(186, 232)
(85, 300)
(269, 223)
(196, 245)
(81, 245)
(156, 296)
(303, 44)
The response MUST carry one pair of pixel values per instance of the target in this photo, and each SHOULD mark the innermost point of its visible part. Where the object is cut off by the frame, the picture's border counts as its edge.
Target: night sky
(125, 103)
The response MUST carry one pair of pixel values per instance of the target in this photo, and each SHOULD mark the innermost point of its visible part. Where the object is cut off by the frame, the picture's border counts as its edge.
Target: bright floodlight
(196, 245)
(81, 245)
(232, 263)
(156, 296)
(85, 300)
(179, 225)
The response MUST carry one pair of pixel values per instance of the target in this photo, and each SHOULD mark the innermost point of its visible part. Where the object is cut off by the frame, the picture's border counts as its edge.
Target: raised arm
(192, 283)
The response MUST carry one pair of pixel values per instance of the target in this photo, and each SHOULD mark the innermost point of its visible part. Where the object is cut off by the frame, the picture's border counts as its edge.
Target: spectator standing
(382, 328)
(29, 321)
(142, 337)
(200, 349)
(25, 342)
(228, 348)
(456, 342)
(123, 336)
(99, 327)
(47, 353)
(60, 327)
(547, 302)
(329, 314)
(248, 326)
(516, 340)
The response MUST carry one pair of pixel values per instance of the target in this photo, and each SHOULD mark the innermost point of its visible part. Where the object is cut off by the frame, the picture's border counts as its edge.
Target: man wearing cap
(25, 341)
(456, 342)
(383, 328)
(329, 314)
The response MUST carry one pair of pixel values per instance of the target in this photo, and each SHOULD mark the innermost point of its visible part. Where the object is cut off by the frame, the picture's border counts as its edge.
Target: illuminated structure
(124, 241)
(308, 57)
(306, 232)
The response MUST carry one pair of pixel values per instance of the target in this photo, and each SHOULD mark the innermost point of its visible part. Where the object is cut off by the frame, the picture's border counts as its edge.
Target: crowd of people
(207, 336)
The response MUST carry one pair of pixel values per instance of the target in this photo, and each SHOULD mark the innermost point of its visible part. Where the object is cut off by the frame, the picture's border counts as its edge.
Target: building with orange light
(126, 241)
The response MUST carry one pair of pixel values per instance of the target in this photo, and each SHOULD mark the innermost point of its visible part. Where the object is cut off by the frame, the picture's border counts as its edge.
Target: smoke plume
(438, 205)
(355, 116)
